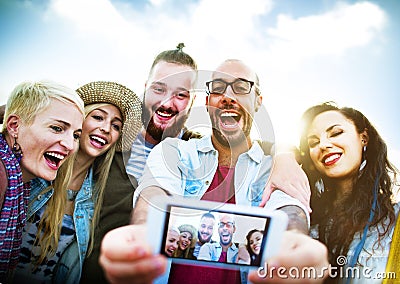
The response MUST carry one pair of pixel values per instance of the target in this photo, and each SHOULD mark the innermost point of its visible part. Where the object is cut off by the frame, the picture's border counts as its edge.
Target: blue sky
(304, 52)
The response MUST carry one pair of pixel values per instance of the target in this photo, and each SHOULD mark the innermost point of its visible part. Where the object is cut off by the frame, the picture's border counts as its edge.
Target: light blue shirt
(186, 168)
(69, 268)
(371, 264)
(139, 153)
(212, 252)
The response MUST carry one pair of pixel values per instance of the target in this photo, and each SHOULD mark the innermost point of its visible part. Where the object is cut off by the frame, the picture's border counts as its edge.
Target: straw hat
(126, 100)
(190, 229)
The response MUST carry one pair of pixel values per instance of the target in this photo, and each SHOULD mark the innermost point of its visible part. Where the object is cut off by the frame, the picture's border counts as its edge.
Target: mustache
(168, 110)
(239, 110)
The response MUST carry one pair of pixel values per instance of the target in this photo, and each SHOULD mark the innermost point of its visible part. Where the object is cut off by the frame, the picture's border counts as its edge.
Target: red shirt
(222, 189)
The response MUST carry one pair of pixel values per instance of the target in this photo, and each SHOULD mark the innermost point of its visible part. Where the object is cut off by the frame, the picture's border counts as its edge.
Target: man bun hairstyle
(177, 56)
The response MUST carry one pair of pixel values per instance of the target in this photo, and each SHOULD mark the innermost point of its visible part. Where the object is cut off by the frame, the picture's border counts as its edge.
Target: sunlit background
(304, 52)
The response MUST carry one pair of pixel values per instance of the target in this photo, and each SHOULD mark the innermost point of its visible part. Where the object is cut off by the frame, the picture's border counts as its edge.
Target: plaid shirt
(13, 212)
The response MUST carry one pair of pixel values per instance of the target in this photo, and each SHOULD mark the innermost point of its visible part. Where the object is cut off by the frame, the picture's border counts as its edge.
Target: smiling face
(167, 100)
(206, 229)
(101, 130)
(255, 242)
(226, 228)
(335, 145)
(185, 240)
(232, 114)
(172, 242)
(49, 140)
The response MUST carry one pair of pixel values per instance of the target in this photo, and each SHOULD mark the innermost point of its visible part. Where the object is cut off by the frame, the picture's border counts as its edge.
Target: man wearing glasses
(225, 166)
(224, 251)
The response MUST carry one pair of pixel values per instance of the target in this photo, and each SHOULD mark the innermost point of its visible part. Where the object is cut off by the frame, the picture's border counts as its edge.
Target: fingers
(141, 271)
(126, 258)
(125, 243)
(299, 194)
(268, 189)
(300, 191)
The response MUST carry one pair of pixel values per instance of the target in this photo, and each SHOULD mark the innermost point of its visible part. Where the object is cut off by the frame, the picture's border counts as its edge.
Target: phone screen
(214, 236)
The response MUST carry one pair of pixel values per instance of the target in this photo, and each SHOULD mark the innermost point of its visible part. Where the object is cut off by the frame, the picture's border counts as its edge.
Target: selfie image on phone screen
(214, 236)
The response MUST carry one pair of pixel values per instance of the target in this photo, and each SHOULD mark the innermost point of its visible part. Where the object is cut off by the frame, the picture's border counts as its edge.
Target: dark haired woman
(354, 211)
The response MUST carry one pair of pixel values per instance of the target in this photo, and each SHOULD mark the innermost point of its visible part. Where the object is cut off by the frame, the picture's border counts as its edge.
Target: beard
(236, 138)
(203, 241)
(225, 243)
(159, 133)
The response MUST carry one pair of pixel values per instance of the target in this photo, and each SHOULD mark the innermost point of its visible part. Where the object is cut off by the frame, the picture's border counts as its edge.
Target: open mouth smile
(165, 114)
(230, 119)
(331, 159)
(97, 141)
(54, 159)
(170, 251)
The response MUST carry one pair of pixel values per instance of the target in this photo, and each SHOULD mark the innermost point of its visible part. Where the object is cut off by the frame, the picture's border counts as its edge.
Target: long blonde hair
(51, 221)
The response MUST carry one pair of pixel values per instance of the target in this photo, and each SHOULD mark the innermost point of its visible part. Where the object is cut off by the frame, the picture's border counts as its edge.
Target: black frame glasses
(227, 224)
(236, 88)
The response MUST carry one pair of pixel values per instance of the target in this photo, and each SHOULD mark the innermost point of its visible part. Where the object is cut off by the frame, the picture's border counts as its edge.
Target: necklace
(71, 194)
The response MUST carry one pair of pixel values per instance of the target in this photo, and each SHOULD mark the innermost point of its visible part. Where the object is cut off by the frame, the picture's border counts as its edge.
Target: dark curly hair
(339, 221)
(254, 259)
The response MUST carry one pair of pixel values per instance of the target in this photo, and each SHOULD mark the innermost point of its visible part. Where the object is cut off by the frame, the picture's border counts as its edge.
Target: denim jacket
(212, 252)
(186, 168)
(191, 166)
(69, 268)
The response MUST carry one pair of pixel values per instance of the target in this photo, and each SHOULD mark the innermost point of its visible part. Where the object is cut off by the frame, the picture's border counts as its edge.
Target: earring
(364, 161)
(319, 185)
(16, 149)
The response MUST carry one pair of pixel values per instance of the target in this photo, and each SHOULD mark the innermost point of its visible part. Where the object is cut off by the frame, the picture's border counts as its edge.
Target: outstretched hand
(127, 258)
(288, 176)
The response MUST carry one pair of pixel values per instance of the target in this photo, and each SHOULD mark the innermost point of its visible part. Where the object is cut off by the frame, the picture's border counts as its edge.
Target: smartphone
(175, 224)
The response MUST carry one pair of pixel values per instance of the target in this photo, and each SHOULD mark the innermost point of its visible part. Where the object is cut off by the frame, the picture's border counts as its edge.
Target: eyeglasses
(227, 224)
(240, 86)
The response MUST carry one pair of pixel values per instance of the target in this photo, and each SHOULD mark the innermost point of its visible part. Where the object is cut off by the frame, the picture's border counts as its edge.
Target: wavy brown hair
(254, 259)
(339, 221)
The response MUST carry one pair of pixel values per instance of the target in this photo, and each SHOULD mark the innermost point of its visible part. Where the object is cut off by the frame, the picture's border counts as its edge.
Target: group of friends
(72, 212)
(185, 241)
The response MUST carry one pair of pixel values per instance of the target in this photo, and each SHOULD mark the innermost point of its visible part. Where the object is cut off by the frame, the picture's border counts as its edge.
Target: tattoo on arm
(297, 218)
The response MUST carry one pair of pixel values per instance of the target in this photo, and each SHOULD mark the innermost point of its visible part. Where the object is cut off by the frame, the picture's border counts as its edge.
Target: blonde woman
(63, 218)
(187, 241)
(41, 128)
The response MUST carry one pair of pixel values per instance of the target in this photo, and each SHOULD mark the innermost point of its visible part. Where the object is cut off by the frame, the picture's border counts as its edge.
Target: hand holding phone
(210, 233)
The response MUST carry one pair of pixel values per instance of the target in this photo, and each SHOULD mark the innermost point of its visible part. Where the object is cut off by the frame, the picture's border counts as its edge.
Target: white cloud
(125, 40)
(331, 33)
(303, 47)
(157, 2)
(96, 17)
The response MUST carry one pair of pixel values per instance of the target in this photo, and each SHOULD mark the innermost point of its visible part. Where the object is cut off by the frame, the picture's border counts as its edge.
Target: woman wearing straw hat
(187, 240)
(62, 218)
